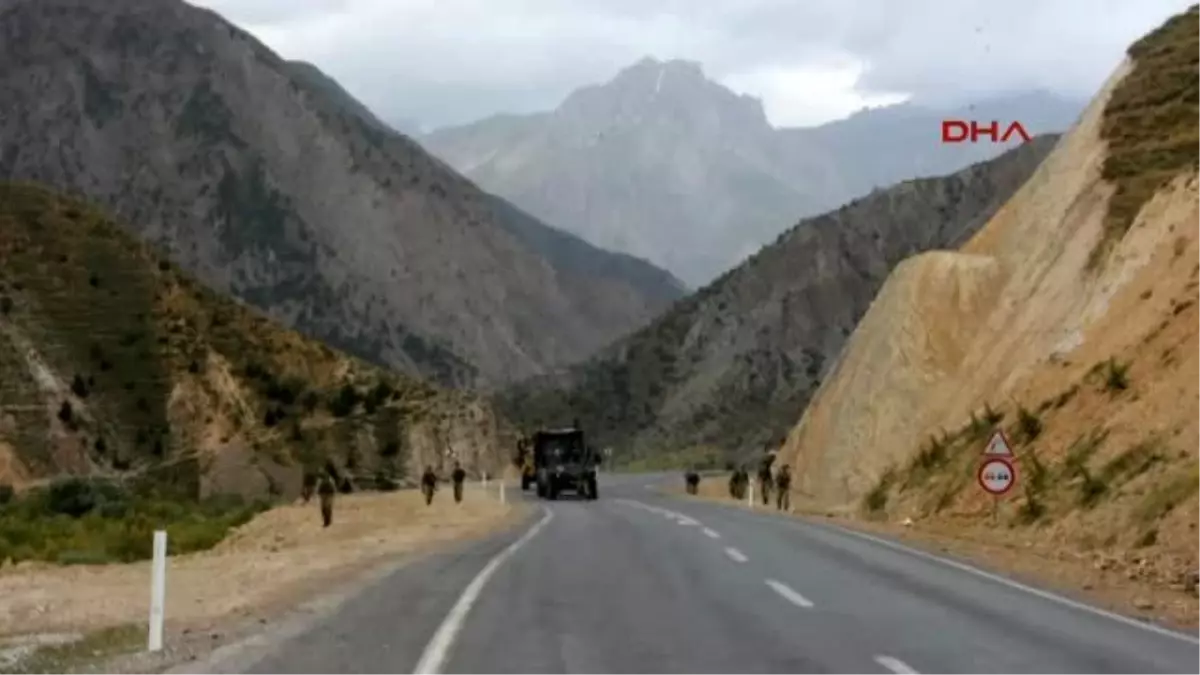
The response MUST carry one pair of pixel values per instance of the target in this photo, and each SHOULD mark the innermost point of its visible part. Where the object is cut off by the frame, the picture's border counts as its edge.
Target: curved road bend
(642, 582)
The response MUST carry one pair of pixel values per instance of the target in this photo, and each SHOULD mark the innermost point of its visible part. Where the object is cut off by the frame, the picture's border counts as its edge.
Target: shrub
(6, 493)
(344, 403)
(1029, 425)
(1032, 510)
(1116, 376)
(66, 414)
(6, 305)
(876, 500)
(79, 386)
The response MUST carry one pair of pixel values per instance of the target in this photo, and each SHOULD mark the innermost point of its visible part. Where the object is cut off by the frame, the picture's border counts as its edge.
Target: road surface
(639, 582)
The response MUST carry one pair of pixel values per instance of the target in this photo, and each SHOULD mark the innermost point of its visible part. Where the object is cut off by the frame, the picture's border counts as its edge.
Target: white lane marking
(1153, 628)
(434, 657)
(735, 554)
(684, 520)
(711, 533)
(789, 594)
(895, 665)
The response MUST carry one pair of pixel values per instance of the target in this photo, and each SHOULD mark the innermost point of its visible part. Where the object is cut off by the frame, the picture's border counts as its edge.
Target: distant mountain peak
(674, 90)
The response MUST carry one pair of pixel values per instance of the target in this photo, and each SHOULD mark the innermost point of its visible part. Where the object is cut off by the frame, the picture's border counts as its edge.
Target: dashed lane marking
(735, 554)
(895, 665)
(789, 594)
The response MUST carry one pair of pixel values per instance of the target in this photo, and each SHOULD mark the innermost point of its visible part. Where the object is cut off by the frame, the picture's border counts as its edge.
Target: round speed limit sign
(997, 476)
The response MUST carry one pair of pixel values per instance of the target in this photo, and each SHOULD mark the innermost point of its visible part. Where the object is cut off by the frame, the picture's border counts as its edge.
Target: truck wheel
(524, 482)
(541, 490)
(552, 492)
(592, 489)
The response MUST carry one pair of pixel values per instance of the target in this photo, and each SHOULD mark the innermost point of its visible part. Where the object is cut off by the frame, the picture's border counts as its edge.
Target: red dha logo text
(957, 131)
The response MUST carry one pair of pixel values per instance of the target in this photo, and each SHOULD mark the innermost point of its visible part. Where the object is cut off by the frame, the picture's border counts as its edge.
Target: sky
(448, 62)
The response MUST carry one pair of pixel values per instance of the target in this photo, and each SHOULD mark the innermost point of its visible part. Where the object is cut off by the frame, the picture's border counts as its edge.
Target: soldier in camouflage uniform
(783, 483)
(326, 491)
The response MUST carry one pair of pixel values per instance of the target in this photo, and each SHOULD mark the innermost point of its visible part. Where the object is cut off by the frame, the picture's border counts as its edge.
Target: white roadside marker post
(158, 589)
(502, 496)
(750, 497)
(485, 480)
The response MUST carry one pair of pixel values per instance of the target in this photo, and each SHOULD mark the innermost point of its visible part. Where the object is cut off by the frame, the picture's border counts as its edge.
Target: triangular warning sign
(998, 446)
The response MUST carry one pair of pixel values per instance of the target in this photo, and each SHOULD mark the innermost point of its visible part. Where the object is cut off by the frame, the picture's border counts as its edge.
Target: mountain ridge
(271, 189)
(664, 163)
(726, 369)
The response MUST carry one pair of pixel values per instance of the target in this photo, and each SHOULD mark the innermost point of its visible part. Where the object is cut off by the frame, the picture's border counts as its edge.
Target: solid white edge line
(1046, 595)
(788, 593)
(434, 656)
(895, 665)
(711, 533)
(735, 554)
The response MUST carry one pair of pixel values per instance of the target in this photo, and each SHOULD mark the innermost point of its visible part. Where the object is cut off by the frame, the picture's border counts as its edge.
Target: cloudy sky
(442, 62)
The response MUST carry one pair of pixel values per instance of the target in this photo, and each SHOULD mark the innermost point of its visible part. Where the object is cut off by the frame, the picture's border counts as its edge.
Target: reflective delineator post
(158, 590)
(750, 496)
(484, 480)
(502, 496)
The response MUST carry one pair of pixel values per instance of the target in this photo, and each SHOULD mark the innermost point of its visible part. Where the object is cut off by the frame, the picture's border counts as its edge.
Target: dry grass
(274, 561)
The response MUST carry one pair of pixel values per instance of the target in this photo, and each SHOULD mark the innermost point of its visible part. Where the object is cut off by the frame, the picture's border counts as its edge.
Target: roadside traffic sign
(996, 476)
(998, 446)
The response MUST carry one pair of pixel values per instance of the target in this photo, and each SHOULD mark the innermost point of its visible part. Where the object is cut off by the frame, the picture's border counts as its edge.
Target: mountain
(729, 367)
(315, 78)
(667, 165)
(264, 179)
(1068, 321)
(113, 361)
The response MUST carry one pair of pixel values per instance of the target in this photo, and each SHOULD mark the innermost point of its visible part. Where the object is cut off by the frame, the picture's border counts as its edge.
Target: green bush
(80, 521)
(1029, 425)
(1116, 376)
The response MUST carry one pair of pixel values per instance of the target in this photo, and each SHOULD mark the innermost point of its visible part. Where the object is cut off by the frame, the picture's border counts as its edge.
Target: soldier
(733, 483)
(428, 484)
(764, 482)
(326, 490)
(693, 481)
(458, 477)
(783, 482)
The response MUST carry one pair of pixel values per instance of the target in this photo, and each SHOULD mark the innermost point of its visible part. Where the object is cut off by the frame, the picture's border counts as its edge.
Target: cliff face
(728, 368)
(1069, 320)
(113, 361)
(272, 186)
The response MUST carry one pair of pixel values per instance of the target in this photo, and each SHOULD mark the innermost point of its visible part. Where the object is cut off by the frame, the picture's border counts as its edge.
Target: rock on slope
(114, 361)
(1070, 319)
(729, 367)
(668, 165)
(278, 191)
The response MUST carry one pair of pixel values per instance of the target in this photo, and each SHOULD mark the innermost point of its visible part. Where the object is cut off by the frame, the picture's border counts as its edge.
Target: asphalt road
(641, 582)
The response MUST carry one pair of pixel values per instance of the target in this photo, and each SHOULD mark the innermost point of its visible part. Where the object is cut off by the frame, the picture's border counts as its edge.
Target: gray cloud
(452, 61)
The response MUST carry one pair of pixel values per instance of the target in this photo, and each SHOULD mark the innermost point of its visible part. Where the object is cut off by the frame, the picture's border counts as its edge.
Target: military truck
(563, 462)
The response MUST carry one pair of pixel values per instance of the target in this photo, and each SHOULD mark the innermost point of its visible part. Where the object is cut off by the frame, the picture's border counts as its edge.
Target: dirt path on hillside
(270, 565)
(1105, 579)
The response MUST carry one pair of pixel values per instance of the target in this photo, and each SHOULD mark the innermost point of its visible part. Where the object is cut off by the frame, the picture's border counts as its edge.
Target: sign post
(158, 588)
(996, 474)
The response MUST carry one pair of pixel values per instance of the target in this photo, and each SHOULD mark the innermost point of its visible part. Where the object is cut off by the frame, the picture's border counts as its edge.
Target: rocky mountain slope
(729, 367)
(268, 186)
(1070, 321)
(114, 361)
(665, 164)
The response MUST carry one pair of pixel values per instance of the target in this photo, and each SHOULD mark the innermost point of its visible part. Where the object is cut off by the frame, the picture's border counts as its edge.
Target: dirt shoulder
(1123, 582)
(279, 560)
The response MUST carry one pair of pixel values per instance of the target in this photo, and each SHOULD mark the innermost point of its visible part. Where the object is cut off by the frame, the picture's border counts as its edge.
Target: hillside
(114, 361)
(729, 367)
(663, 163)
(264, 179)
(1070, 320)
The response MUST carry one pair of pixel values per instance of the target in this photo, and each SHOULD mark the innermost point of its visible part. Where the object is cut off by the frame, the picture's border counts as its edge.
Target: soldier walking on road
(764, 483)
(693, 481)
(458, 477)
(783, 483)
(428, 484)
(326, 490)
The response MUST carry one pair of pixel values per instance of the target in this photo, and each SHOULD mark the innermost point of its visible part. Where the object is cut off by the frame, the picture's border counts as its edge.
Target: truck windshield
(562, 448)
